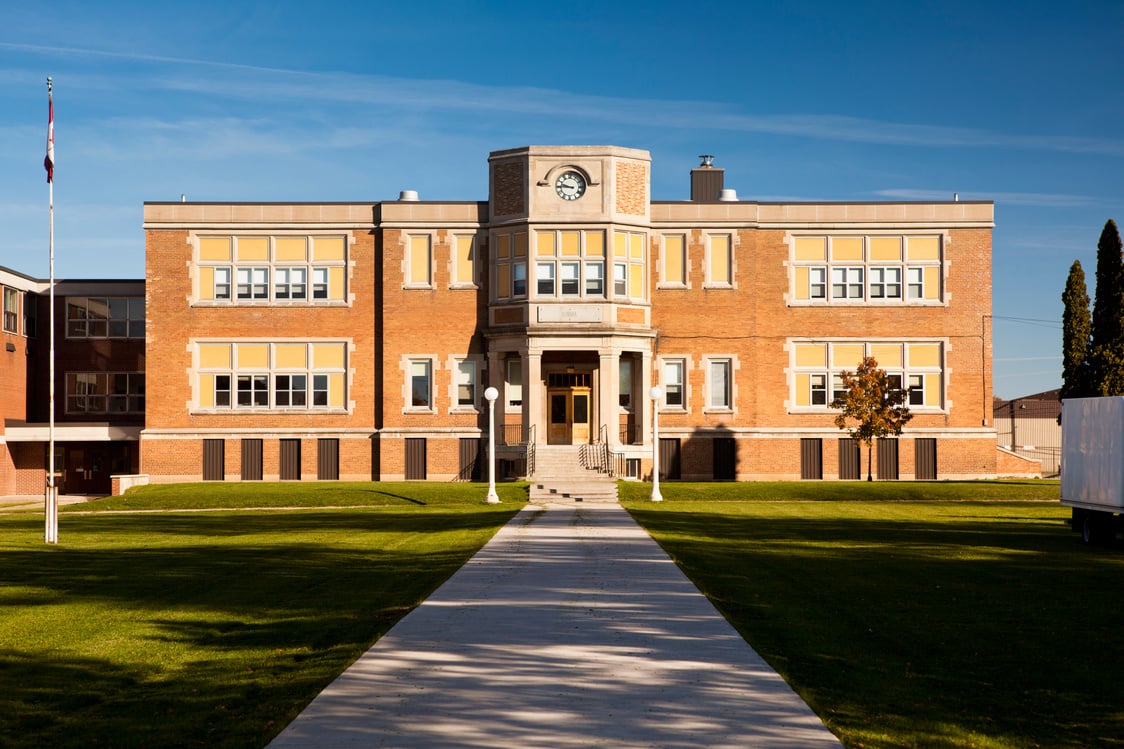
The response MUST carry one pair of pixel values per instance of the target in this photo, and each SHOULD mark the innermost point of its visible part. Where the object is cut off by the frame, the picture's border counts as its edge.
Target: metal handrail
(531, 450)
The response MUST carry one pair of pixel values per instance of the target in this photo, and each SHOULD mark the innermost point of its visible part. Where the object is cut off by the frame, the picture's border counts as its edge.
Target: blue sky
(1020, 103)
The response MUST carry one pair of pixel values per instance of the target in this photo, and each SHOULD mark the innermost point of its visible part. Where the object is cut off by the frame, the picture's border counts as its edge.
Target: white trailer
(1093, 465)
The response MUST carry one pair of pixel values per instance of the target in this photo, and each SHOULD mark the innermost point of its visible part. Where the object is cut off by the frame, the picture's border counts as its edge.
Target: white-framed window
(270, 269)
(624, 388)
(719, 386)
(11, 310)
(719, 261)
(421, 384)
(544, 279)
(513, 386)
(847, 283)
(105, 317)
(419, 261)
(885, 262)
(105, 392)
(290, 283)
(620, 279)
(816, 375)
(673, 261)
(595, 279)
(569, 263)
(886, 283)
(509, 258)
(674, 384)
(464, 261)
(31, 315)
(263, 375)
(466, 383)
(629, 265)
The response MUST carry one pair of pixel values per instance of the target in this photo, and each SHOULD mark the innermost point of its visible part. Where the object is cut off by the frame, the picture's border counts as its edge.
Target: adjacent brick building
(355, 341)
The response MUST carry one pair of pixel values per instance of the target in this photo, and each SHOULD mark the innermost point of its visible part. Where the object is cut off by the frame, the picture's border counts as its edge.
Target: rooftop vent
(410, 196)
(728, 195)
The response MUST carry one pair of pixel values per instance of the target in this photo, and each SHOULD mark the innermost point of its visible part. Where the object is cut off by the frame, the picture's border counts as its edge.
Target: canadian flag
(49, 161)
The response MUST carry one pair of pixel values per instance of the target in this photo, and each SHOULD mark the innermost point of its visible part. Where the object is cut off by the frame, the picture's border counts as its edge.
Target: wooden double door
(570, 409)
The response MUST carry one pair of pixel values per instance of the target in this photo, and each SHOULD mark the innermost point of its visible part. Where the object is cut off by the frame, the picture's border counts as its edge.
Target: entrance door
(569, 416)
(86, 470)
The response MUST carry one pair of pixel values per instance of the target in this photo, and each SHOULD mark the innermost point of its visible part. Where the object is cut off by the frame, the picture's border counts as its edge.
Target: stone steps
(560, 477)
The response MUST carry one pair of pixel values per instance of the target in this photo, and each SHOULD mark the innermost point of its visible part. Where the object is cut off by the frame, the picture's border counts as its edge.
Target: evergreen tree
(1075, 334)
(875, 401)
(1106, 355)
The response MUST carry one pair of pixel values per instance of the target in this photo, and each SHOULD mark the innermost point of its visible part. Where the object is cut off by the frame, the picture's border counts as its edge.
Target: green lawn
(917, 624)
(214, 629)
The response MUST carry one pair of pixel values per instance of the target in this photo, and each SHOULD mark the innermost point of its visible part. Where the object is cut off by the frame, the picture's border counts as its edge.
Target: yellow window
(335, 391)
(595, 243)
(810, 248)
(636, 281)
(290, 356)
(719, 261)
(290, 249)
(847, 355)
(206, 282)
(253, 356)
(325, 249)
(503, 246)
(503, 281)
(847, 248)
(887, 354)
(571, 243)
(811, 355)
(620, 244)
(636, 246)
(521, 244)
(466, 260)
(803, 390)
(885, 249)
(214, 249)
(214, 356)
(336, 283)
(206, 391)
(327, 355)
(545, 244)
(932, 390)
(924, 355)
(923, 248)
(673, 265)
(801, 282)
(419, 260)
(253, 249)
(932, 282)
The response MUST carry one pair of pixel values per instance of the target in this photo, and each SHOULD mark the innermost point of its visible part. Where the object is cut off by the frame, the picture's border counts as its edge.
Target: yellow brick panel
(673, 259)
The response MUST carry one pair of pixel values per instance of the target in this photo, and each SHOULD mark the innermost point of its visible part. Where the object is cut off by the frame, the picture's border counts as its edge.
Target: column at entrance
(608, 396)
(532, 397)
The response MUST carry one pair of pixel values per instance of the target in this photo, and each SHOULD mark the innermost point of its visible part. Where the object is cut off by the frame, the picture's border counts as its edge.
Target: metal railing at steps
(599, 457)
(530, 451)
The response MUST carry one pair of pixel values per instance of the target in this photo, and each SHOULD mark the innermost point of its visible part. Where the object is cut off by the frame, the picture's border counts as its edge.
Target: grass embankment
(214, 629)
(916, 624)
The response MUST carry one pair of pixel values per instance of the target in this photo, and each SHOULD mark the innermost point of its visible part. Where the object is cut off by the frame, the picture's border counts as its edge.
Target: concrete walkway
(570, 628)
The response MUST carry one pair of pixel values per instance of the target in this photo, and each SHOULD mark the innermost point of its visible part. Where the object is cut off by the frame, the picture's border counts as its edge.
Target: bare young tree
(876, 401)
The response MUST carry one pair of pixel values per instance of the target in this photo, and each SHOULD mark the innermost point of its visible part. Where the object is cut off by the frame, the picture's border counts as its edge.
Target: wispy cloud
(1045, 200)
(254, 83)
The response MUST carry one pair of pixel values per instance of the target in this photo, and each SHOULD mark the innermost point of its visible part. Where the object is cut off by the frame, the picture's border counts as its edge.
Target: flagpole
(51, 510)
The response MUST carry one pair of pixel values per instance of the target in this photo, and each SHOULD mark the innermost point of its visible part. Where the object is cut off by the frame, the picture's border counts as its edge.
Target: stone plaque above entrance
(569, 313)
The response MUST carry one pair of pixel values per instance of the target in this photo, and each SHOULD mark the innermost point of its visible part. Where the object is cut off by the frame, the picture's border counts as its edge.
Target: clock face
(570, 186)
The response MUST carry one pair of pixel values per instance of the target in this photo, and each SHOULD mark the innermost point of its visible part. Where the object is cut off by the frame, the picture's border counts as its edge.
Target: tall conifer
(1075, 334)
(1106, 355)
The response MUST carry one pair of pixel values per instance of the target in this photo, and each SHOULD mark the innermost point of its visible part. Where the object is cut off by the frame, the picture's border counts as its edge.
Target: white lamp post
(491, 394)
(655, 394)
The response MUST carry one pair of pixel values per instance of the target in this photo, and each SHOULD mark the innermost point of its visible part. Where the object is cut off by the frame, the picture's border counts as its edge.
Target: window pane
(544, 274)
(595, 279)
(720, 384)
(466, 383)
(419, 384)
(571, 279)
